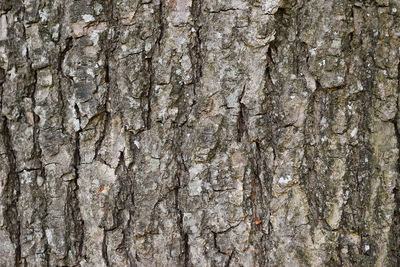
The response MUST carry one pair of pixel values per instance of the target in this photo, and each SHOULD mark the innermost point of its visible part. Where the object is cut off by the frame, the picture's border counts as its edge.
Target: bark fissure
(74, 221)
(12, 193)
(104, 252)
(395, 228)
(241, 122)
(40, 194)
(196, 52)
(150, 67)
(184, 254)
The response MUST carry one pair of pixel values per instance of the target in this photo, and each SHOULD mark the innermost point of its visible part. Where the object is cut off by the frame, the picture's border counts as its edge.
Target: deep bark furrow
(11, 193)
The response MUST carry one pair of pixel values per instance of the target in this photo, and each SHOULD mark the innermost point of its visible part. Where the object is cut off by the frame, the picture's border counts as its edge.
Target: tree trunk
(199, 133)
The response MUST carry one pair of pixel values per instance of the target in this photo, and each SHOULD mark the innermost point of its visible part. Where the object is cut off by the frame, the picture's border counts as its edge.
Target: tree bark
(199, 133)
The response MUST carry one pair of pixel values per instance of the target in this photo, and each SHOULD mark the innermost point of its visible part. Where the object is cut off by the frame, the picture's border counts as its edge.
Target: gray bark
(199, 133)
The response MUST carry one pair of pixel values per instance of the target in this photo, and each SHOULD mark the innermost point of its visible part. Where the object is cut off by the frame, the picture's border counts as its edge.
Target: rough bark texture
(199, 133)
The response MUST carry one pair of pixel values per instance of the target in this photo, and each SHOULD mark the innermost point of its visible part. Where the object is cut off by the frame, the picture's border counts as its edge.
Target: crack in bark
(36, 155)
(395, 227)
(195, 53)
(104, 252)
(99, 142)
(125, 200)
(241, 122)
(228, 263)
(11, 194)
(183, 257)
(216, 246)
(74, 221)
(150, 67)
(61, 74)
(2, 80)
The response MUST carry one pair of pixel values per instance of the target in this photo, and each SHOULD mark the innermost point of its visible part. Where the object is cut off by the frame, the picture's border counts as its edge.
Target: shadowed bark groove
(11, 193)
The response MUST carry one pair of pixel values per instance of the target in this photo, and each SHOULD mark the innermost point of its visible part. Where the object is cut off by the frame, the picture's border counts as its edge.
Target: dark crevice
(73, 218)
(36, 156)
(104, 252)
(217, 247)
(184, 255)
(61, 58)
(310, 180)
(11, 194)
(261, 201)
(109, 49)
(99, 142)
(395, 227)
(228, 262)
(2, 80)
(149, 95)
(195, 53)
(63, 53)
(258, 196)
(222, 10)
(150, 68)
(123, 198)
(134, 150)
(241, 122)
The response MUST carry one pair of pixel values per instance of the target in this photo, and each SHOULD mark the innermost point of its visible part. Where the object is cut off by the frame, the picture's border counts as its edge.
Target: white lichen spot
(97, 8)
(270, 7)
(178, 72)
(95, 38)
(88, 18)
(137, 144)
(147, 48)
(354, 132)
(49, 235)
(337, 43)
(284, 180)
(154, 164)
(39, 181)
(193, 171)
(43, 14)
(195, 188)
(3, 27)
(359, 85)
(76, 124)
(90, 72)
